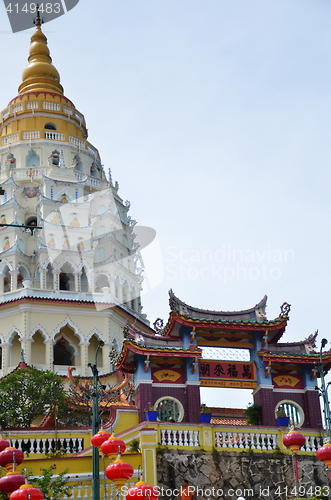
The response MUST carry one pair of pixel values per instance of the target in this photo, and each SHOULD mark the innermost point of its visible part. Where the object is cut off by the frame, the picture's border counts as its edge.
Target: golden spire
(40, 74)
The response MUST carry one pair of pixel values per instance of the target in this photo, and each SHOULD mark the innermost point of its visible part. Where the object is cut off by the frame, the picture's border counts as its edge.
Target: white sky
(214, 117)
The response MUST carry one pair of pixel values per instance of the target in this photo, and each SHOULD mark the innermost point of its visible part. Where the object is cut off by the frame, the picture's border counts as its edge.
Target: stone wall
(245, 474)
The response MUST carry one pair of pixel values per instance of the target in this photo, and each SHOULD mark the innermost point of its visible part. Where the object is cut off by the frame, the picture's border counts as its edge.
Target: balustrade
(180, 437)
(10, 138)
(31, 135)
(17, 108)
(32, 105)
(25, 173)
(67, 109)
(51, 106)
(55, 136)
(48, 446)
(77, 142)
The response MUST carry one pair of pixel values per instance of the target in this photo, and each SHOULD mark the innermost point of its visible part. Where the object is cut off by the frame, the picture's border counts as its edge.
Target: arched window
(125, 241)
(78, 163)
(32, 159)
(50, 126)
(63, 352)
(12, 160)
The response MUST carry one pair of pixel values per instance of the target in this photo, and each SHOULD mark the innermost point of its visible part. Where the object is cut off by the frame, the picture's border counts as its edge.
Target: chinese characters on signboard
(227, 373)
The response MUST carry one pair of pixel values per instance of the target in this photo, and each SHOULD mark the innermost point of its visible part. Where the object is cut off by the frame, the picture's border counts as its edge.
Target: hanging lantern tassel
(294, 440)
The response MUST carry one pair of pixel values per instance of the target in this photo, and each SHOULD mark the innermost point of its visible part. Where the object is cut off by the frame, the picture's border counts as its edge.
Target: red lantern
(4, 443)
(12, 160)
(55, 155)
(11, 482)
(9, 456)
(26, 491)
(294, 440)
(324, 454)
(119, 472)
(99, 438)
(110, 447)
(142, 491)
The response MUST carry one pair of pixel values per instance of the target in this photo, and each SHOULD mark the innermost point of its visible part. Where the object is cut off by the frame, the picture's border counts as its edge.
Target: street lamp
(95, 426)
(323, 390)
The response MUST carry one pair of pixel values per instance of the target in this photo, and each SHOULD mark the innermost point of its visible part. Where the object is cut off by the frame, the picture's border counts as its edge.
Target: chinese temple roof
(125, 361)
(256, 312)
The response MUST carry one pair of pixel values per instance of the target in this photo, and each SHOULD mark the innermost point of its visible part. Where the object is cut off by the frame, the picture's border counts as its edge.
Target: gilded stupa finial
(40, 74)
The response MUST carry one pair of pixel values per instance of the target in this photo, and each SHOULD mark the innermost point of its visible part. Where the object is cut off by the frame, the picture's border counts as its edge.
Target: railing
(5, 113)
(47, 446)
(67, 109)
(31, 135)
(25, 173)
(89, 181)
(32, 105)
(247, 440)
(54, 136)
(92, 150)
(175, 437)
(77, 142)
(10, 138)
(84, 491)
(79, 117)
(256, 439)
(51, 106)
(17, 108)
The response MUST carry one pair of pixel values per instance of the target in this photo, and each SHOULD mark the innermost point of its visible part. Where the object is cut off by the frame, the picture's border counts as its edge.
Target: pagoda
(69, 268)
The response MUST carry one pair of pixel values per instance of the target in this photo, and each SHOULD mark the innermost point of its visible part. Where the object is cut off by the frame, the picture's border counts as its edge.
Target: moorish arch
(39, 347)
(66, 339)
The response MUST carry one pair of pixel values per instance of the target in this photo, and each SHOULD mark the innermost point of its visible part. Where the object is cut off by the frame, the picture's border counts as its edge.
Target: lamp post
(323, 390)
(95, 426)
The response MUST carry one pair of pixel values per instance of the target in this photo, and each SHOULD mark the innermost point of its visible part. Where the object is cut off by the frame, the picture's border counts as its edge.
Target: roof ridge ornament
(284, 310)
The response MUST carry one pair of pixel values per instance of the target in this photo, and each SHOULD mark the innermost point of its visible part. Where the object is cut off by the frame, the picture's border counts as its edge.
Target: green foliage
(161, 449)
(253, 414)
(204, 408)
(134, 446)
(28, 393)
(280, 412)
(53, 488)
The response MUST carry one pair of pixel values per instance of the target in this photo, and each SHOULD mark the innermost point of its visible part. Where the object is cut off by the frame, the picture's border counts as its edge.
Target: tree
(28, 393)
(253, 414)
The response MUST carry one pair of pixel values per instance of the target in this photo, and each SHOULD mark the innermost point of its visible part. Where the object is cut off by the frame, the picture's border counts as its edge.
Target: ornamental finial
(38, 21)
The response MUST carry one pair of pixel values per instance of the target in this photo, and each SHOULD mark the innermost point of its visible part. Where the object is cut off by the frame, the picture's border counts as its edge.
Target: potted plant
(151, 414)
(281, 418)
(205, 415)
